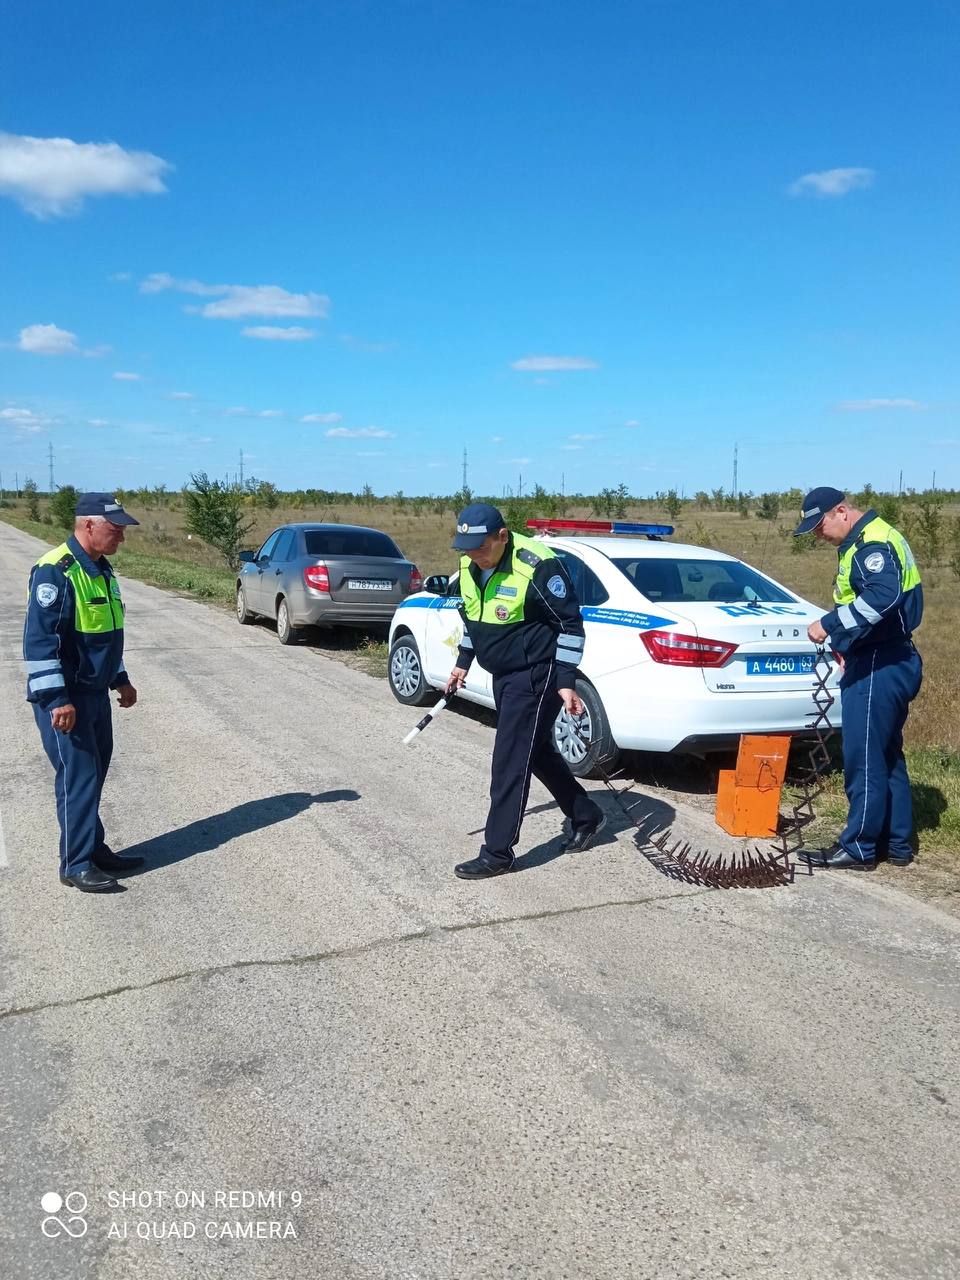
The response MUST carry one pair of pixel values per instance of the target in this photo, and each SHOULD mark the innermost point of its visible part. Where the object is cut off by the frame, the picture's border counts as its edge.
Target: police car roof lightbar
(652, 531)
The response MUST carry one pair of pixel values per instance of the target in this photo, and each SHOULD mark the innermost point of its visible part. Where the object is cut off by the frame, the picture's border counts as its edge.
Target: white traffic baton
(433, 712)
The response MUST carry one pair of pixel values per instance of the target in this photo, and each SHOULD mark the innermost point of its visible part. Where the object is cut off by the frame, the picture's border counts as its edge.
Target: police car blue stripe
(625, 618)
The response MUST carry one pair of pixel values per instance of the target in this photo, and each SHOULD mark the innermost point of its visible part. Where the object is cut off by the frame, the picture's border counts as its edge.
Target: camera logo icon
(75, 1206)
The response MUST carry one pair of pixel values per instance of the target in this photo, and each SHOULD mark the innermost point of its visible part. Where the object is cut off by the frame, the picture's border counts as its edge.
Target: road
(581, 1070)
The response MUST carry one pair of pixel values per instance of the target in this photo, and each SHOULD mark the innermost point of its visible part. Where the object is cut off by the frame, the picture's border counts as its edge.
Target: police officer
(73, 648)
(522, 621)
(879, 604)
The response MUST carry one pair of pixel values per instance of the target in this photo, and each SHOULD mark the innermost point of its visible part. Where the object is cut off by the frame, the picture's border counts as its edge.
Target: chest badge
(502, 612)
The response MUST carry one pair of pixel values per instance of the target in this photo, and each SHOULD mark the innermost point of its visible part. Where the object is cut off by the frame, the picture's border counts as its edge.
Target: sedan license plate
(780, 664)
(368, 584)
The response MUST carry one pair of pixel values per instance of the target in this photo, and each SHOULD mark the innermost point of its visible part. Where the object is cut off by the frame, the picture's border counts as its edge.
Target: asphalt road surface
(297, 1015)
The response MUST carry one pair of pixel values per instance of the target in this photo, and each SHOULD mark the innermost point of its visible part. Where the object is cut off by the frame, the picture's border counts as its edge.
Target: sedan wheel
(287, 633)
(586, 744)
(405, 673)
(244, 616)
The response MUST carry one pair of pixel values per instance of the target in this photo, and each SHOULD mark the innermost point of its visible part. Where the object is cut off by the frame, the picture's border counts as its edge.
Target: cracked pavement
(579, 1070)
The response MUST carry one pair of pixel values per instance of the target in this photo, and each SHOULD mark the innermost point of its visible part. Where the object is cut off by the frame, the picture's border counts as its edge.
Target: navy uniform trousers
(878, 686)
(527, 705)
(80, 760)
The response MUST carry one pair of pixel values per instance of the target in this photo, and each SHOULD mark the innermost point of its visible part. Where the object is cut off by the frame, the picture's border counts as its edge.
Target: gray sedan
(324, 575)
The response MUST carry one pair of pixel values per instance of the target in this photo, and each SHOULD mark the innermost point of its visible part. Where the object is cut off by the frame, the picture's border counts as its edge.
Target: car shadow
(207, 834)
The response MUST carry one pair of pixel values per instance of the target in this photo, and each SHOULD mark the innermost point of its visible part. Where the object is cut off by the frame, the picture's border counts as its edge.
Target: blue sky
(596, 241)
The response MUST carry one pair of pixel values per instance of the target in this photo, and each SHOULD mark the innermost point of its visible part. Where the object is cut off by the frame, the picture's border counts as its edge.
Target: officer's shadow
(655, 816)
(207, 834)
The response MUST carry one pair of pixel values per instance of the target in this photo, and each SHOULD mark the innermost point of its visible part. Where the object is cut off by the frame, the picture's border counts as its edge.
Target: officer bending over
(73, 647)
(522, 621)
(879, 603)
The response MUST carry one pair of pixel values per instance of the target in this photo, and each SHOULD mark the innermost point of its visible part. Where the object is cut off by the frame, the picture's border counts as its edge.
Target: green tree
(267, 495)
(214, 512)
(888, 508)
(33, 500)
(672, 503)
(768, 508)
(63, 506)
(743, 505)
(929, 526)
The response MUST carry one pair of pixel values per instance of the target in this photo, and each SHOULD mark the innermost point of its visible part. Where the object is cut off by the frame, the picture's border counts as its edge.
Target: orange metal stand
(748, 797)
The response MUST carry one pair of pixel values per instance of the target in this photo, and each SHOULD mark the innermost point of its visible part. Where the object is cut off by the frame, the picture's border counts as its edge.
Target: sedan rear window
(350, 542)
(709, 581)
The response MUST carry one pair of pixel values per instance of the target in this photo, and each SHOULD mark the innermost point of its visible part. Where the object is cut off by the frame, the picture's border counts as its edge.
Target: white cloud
(97, 422)
(359, 433)
(570, 448)
(324, 418)
(47, 340)
(521, 462)
(236, 301)
(51, 177)
(497, 439)
(274, 333)
(121, 277)
(95, 353)
(550, 364)
(238, 411)
(270, 413)
(181, 395)
(831, 182)
(370, 453)
(633, 422)
(24, 420)
(867, 406)
(578, 436)
(120, 376)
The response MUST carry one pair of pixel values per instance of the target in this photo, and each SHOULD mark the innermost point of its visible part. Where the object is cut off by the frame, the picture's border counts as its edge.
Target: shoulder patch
(874, 562)
(529, 557)
(46, 594)
(557, 586)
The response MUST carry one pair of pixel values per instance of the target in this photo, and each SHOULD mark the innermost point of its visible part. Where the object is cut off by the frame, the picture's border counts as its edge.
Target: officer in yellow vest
(879, 604)
(522, 622)
(73, 649)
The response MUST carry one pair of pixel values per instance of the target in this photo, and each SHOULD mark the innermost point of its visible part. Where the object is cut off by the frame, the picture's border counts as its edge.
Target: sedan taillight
(416, 580)
(317, 576)
(686, 651)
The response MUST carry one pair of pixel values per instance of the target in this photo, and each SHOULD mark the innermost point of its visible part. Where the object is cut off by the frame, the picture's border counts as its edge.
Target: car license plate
(780, 664)
(368, 584)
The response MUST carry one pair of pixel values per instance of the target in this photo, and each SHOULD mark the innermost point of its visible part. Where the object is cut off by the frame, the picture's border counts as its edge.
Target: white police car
(686, 647)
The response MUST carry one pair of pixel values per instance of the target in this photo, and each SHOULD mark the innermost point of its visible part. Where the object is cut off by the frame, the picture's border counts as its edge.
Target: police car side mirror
(436, 584)
(246, 557)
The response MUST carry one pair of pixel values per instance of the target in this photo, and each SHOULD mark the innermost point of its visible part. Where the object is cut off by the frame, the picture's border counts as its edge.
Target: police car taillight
(416, 580)
(317, 576)
(601, 526)
(686, 651)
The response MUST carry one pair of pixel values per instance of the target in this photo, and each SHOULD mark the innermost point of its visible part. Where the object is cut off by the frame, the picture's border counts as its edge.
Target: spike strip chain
(750, 868)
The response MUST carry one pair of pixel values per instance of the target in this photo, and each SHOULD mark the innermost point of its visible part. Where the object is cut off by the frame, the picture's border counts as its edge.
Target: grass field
(159, 552)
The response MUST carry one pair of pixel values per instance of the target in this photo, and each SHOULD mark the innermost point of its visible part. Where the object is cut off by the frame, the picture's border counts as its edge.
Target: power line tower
(51, 467)
(464, 469)
(736, 492)
(241, 468)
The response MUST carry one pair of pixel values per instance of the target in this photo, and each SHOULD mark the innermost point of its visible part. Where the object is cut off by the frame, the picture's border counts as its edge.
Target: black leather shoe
(837, 859)
(478, 869)
(583, 835)
(116, 862)
(93, 880)
(900, 862)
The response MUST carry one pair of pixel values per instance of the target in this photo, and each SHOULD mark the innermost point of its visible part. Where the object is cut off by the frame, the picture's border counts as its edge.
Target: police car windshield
(707, 581)
(350, 542)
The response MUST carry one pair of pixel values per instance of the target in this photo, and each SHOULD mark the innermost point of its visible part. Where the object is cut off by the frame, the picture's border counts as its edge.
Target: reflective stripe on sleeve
(847, 619)
(466, 642)
(36, 683)
(43, 664)
(866, 610)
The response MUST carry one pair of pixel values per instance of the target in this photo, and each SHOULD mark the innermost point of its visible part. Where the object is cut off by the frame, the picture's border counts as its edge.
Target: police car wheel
(405, 674)
(287, 633)
(244, 616)
(587, 745)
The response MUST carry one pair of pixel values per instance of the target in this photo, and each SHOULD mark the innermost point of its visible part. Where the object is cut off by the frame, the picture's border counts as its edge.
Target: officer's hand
(572, 703)
(64, 718)
(816, 632)
(126, 695)
(458, 678)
